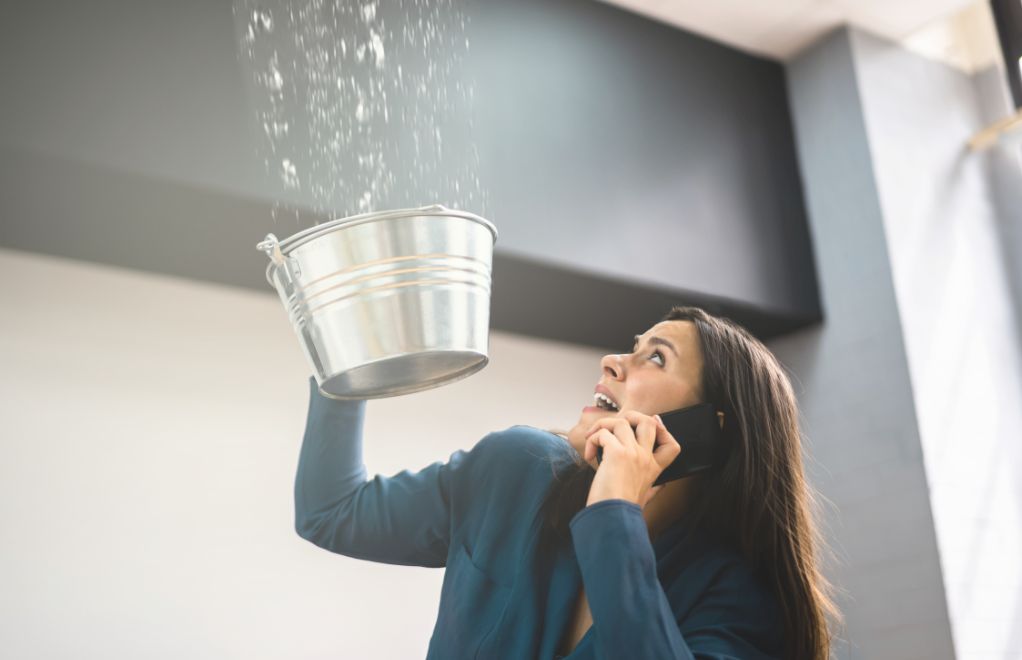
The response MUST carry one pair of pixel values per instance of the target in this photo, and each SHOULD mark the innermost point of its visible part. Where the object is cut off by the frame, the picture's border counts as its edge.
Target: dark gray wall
(614, 144)
(630, 165)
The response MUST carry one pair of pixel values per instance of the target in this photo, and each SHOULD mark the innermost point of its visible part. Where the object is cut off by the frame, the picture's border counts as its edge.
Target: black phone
(703, 443)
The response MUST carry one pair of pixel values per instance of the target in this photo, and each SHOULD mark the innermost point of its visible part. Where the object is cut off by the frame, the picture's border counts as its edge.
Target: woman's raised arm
(403, 519)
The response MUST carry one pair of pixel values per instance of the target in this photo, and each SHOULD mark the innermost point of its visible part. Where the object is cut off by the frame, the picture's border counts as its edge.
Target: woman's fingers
(667, 448)
(600, 438)
(643, 435)
(646, 428)
(649, 433)
(644, 432)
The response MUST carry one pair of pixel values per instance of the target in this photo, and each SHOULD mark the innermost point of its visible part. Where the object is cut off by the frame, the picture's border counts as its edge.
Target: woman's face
(662, 373)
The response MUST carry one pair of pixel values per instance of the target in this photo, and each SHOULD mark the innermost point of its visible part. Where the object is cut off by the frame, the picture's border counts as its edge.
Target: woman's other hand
(632, 460)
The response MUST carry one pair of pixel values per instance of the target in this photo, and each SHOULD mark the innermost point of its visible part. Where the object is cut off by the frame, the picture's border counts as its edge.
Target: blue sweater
(506, 595)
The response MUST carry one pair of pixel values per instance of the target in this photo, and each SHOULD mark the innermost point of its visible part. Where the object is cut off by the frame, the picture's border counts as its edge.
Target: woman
(551, 554)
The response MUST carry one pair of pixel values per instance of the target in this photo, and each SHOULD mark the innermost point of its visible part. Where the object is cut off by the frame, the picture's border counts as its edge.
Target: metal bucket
(388, 303)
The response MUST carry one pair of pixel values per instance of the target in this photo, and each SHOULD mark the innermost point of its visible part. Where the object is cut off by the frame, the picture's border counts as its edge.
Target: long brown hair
(759, 499)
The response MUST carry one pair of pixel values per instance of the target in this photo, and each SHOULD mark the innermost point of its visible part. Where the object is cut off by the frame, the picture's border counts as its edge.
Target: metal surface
(388, 303)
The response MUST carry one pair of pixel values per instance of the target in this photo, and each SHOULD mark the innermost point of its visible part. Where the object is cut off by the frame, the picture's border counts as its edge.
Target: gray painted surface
(614, 144)
(852, 377)
(645, 165)
(149, 88)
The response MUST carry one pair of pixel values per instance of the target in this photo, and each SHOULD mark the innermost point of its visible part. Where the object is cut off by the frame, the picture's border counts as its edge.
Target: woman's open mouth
(603, 404)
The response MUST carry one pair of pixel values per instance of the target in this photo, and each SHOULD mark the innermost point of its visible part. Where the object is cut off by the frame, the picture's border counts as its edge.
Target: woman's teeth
(602, 401)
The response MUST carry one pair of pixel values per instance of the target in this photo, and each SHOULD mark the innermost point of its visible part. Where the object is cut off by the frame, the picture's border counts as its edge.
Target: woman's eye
(658, 353)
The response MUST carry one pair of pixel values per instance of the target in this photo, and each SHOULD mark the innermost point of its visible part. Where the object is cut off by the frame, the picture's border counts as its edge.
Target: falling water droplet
(376, 43)
(274, 80)
(289, 173)
(262, 20)
(275, 129)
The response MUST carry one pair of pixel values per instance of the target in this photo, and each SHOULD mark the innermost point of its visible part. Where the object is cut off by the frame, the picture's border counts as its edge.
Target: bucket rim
(305, 235)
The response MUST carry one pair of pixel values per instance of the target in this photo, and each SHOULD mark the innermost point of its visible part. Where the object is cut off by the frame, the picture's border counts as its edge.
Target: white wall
(150, 434)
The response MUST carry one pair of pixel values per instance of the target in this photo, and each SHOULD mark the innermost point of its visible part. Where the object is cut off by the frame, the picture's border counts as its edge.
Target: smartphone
(703, 445)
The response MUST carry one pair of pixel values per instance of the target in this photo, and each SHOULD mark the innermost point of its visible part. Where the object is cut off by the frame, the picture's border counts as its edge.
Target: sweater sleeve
(632, 617)
(402, 519)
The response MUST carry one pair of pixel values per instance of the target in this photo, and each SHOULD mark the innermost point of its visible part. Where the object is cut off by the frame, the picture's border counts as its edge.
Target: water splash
(364, 105)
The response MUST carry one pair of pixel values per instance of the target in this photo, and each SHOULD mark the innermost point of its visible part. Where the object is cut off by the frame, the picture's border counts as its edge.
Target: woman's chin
(595, 412)
(576, 436)
(586, 419)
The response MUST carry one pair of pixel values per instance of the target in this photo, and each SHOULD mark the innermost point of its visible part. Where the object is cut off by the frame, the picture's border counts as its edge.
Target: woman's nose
(612, 366)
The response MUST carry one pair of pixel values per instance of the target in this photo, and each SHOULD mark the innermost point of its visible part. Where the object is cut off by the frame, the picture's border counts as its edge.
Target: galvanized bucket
(388, 303)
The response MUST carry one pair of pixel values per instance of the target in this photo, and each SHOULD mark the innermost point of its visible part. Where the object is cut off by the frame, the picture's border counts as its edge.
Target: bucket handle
(289, 265)
(271, 246)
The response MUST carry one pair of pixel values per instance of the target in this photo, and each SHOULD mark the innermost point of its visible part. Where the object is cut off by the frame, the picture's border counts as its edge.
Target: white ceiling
(781, 28)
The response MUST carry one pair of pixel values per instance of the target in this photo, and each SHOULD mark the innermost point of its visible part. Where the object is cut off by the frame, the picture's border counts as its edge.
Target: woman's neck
(668, 505)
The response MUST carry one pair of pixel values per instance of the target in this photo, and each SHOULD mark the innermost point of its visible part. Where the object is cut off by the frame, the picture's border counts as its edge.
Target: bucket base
(403, 374)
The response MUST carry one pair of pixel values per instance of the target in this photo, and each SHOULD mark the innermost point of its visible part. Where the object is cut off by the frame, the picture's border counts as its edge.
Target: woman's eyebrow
(657, 341)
